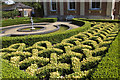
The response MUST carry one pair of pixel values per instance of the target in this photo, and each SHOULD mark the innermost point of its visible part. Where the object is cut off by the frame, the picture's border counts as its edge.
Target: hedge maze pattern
(74, 57)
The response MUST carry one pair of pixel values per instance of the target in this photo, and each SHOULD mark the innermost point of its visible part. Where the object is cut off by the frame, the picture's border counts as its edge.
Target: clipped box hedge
(53, 38)
(26, 20)
(9, 71)
(100, 20)
(37, 20)
(109, 66)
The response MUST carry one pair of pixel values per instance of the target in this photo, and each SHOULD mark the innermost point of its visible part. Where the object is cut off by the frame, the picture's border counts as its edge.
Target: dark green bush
(77, 21)
(8, 22)
(10, 14)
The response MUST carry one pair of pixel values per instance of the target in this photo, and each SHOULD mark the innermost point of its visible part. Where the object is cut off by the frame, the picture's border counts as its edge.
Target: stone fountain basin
(31, 30)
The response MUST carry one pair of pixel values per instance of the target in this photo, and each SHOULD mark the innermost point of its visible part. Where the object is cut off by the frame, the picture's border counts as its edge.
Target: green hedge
(36, 20)
(10, 14)
(25, 20)
(54, 38)
(9, 71)
(100, 20)
(77, 21)
(62, 59)
(109, 66)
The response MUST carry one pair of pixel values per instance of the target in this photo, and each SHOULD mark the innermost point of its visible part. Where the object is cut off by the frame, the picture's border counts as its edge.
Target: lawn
(62, 29)
(29, 29)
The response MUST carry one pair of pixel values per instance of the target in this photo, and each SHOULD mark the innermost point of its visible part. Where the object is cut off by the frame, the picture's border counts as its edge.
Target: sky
(9, 2)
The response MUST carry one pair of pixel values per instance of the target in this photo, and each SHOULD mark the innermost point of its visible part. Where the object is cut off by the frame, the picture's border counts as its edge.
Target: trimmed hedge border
(109, 66)
(100, 20)
(26, 20)
(53, 38)
(69, 27)
(10, 71)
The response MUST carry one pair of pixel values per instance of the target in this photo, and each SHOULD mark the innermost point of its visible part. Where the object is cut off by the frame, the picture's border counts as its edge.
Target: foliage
(25, 20)
(53, 38)
(38, 8)
(32, 69)
(35, 5)
(100, 20)
(109, 66)
(75, 57)
(10, 71)
(10, 14)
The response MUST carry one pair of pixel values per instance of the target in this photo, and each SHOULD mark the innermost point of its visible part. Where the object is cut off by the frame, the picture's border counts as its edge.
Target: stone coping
(20, 30)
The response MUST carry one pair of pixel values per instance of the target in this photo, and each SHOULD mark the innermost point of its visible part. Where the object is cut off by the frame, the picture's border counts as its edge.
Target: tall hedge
(10, 14)
(109, 66)
(9, 71)
(100, 20)
(53, 38)
(25, 20)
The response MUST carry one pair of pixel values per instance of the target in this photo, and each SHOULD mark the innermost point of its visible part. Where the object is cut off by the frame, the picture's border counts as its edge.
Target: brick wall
(49, 12)
(101, 12)
(117, 9)
(72, 12)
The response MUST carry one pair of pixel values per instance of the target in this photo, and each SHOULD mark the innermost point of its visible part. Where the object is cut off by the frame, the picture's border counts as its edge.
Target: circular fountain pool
(29, 29)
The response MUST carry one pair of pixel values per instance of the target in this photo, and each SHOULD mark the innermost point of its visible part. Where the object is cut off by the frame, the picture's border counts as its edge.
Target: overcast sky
(9, 2)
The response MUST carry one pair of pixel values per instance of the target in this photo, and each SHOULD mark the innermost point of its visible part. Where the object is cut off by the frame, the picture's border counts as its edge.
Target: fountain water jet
(32, 23)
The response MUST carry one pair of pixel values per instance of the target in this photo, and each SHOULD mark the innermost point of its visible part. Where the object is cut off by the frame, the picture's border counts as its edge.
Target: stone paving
(49, 27)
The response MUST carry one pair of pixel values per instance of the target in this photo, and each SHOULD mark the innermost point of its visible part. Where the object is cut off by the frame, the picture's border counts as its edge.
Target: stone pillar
(109, 7)
(45, 8)
(82, 7)
(61, 8)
